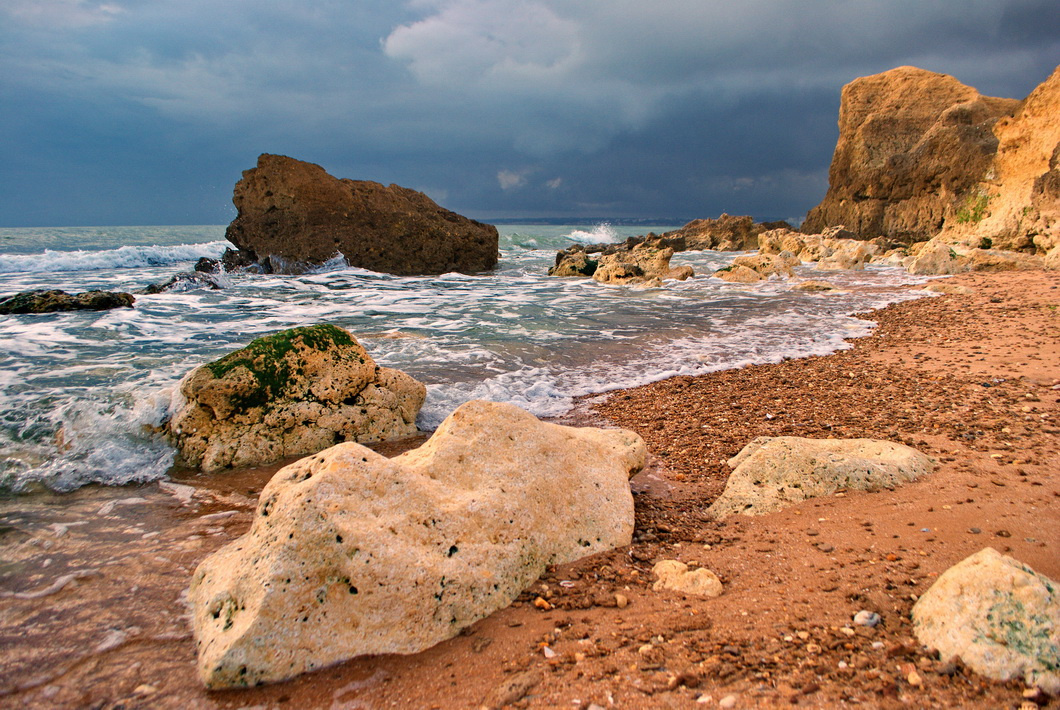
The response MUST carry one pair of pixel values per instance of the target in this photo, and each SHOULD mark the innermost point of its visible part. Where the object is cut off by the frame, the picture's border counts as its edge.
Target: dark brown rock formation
(52, 301)
(726, 233)
(293, 215)
(913, 145)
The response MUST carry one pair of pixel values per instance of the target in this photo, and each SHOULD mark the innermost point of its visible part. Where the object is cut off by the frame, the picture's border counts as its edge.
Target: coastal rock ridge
(352, 553)
(292, 216)
(291, 393)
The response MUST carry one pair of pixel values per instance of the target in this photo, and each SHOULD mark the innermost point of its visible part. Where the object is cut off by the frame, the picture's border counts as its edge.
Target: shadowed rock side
(294, 215)
(352, 553)
(44, 301)
(295, 392)
(726, 233)
(913, 145)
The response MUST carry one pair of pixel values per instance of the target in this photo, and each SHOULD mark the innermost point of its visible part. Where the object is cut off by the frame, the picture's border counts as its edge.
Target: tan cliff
(920, 153)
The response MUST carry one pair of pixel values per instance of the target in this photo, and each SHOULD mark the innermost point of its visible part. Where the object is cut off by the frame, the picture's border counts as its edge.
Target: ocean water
(81, 392)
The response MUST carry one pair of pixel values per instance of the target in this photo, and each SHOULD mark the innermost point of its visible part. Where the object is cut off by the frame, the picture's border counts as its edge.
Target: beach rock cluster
(292, 393)
(771, 473)
(292, 216)
(920, 154)
(52, 301)
(351, 553)
(726, 233)
(640, 262)
(1000, 617)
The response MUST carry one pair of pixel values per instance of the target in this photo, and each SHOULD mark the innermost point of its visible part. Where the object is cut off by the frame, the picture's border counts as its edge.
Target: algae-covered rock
(291, 393)
(352, 553)
(771, 473)
(999, 616)
(52, 301)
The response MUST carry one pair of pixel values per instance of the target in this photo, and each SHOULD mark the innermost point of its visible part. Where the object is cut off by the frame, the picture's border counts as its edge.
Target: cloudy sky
(146, 111)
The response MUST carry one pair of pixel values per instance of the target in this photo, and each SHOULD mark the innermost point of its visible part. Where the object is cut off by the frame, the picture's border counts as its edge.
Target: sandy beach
(92, 582)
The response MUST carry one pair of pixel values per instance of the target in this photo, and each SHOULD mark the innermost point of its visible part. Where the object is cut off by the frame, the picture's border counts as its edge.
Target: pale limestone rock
(1052, 259)
(676, 576)
(646, 261)
(771, 473)
(1001, 617)
(935, 258)
(291, 393)
(950, 289)
(738, 274)
(351, 553)
(768, 264)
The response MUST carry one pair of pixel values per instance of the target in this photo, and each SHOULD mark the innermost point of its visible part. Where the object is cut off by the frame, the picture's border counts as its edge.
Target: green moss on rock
(266, 359)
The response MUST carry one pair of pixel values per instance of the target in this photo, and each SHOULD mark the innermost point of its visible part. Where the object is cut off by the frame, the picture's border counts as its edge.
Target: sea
(82, 393)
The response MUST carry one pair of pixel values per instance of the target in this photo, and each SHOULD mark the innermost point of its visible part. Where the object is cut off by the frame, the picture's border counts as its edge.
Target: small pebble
(866, 618)
(729, 701)
(621, 601)
(974, 531)
(549, 653)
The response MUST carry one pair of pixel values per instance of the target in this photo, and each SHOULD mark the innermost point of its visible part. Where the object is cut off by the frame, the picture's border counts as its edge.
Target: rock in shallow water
(771, 473)
(351, 553)
(43, 301)
(295, 392)
(1001, 617)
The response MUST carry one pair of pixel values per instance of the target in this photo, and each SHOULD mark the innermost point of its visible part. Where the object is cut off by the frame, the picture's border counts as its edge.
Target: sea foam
(128, 257)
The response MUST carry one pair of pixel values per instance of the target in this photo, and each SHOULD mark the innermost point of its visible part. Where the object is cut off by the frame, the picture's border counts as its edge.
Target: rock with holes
(291, 393)
(999, 616)
(771, 473)
(675, 576)
(352, 553)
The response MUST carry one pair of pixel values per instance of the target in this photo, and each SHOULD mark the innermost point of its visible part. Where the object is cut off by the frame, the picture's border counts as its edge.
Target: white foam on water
(127, 257)
(599, 234)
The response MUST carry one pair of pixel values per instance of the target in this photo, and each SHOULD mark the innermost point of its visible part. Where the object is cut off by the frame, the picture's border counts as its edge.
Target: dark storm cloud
(141, 111)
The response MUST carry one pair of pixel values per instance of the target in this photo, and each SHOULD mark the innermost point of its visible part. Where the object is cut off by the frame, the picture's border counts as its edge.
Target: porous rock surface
(352, 553)
(771, 473)
(293, 215)
(675, 576)
(913, 144)
(52, 301)
(291, 393)
(999, 616)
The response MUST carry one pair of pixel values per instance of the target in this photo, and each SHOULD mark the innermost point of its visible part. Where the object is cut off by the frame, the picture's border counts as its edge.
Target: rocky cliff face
(913, 147)
(293, 214)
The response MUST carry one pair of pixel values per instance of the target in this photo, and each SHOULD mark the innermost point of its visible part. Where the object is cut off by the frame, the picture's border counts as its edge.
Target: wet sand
(92, 582)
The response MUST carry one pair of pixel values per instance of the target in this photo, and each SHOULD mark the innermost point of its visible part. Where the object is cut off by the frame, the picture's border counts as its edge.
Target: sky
(140, 112)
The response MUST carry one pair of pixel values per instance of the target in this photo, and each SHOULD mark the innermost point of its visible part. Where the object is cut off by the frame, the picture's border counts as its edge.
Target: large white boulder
(352, 553)
(1001, 617)
(291, 393)
(771, 473)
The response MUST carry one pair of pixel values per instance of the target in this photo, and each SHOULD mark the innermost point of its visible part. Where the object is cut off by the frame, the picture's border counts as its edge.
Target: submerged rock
(999, 616)
(45, 301)
(293, 216)
(771, 473)
(189, 281)
(295, 392)
(351, 553)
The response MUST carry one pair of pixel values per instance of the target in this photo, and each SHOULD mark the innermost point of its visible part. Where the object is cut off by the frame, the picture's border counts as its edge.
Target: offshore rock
(999, 616)
(351, 553)
(45, 301)
(726, 233)
(190, 281)
(636, 261)
(295, 392)
(772, 473)
(292, 216)
(913, 146)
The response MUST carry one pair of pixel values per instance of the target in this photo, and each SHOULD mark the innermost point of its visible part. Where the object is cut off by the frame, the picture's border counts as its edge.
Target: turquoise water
(79, 392)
